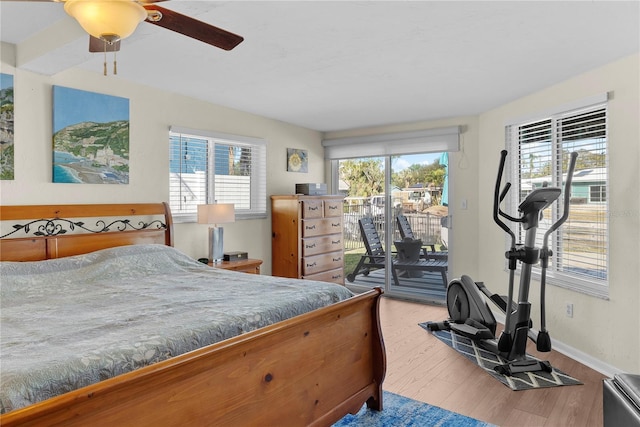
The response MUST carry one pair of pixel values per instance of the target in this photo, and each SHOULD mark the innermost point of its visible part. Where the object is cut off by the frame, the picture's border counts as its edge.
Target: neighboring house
(588, 186)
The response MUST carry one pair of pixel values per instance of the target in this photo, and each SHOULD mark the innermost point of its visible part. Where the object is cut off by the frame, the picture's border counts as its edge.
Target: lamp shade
(217, 213)
(102, 19)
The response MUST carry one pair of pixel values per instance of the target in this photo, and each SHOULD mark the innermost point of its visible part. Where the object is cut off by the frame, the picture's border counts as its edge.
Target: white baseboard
(584, 358)
(577, 355)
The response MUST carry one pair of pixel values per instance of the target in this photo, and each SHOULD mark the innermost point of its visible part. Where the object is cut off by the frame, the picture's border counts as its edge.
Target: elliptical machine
(470, 315)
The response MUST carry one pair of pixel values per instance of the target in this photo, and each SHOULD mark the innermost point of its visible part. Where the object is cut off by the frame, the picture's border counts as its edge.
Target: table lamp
(217, 213)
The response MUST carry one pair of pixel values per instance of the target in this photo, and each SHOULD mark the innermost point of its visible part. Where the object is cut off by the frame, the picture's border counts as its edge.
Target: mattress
(70, 322)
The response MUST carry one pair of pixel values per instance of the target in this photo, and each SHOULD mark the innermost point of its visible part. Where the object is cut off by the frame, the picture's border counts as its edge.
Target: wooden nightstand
(251, 266)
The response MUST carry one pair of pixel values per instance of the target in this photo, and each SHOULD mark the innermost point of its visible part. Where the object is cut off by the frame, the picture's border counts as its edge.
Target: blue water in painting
(60, 173)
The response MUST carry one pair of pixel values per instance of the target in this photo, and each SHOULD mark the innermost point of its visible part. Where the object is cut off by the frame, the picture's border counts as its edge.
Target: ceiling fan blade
(98, 45)
(195, 29)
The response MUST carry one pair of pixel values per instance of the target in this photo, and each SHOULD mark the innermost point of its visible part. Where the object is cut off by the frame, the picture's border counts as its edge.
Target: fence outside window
(426, 227)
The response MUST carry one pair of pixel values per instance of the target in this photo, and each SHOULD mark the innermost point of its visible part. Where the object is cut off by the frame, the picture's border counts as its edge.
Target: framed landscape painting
(90, 137)
(6, 127)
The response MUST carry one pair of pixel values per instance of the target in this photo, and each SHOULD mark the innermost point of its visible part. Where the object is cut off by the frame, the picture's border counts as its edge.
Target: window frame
(600, 191)
(598, 287)
(257, 185)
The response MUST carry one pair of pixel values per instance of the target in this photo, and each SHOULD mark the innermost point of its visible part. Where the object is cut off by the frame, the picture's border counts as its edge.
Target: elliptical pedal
(472, 329)
(527, 365)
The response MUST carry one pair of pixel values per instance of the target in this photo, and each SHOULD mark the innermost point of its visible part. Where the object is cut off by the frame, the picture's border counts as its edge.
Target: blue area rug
(401, 411)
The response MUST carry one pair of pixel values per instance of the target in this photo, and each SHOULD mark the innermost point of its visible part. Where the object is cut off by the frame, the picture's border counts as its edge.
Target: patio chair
(375, 257)
(428, 249)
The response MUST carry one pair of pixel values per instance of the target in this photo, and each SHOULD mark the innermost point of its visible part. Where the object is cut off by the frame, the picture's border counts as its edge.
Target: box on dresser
(311, 189)
(235, 256)
(307, 240)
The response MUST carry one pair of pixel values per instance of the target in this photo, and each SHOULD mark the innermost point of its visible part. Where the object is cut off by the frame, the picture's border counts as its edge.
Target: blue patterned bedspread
(71, 322)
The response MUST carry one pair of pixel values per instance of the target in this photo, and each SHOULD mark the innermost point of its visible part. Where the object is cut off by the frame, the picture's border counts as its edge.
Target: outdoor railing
(426, 227)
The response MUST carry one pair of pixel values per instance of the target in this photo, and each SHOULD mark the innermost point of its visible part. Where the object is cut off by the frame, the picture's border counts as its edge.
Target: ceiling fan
(109, 21)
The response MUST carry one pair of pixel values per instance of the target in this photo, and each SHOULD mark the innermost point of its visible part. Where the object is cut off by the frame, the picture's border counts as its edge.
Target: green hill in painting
(6, 134)
(85, 139)
(93, 153)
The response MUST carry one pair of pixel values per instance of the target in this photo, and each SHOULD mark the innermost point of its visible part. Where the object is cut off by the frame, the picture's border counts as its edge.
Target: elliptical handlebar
(543, 341)
(567, 199)
(498, 196)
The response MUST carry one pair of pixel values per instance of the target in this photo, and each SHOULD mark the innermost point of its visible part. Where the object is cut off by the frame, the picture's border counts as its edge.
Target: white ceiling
(346, 64)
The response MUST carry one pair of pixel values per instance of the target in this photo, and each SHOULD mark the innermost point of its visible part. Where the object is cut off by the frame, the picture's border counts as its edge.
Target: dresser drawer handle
(310, 246)
(337, 259)
(310, 227)
(315, 208)
(335, 225)
(311, 265)
(336, 242)
(333, 207)
(337, 276)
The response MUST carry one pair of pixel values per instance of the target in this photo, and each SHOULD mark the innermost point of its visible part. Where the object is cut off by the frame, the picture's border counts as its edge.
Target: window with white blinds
(206, 167)
(539, 153)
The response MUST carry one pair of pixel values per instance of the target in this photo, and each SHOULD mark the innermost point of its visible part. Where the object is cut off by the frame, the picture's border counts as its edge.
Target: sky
(6, 80)
(404, 161)
(72, 106)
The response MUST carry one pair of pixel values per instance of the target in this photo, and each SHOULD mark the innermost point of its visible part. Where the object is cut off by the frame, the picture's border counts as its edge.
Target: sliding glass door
(396, 205)
(363, 183)
(403, 173)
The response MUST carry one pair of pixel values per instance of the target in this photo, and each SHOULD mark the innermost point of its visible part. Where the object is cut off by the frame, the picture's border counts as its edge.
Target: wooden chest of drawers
(307, 241)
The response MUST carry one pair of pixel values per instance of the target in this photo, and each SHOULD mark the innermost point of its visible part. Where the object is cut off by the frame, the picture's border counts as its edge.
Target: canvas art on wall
(6, 127)
(90, 137)
(297, 160)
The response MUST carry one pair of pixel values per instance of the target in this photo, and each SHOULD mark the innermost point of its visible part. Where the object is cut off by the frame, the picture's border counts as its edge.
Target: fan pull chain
(105, 57)
(115, 61)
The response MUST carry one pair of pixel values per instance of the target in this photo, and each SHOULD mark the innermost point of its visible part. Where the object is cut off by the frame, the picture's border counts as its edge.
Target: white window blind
(539, 154)
(421, 141)
(208, 167)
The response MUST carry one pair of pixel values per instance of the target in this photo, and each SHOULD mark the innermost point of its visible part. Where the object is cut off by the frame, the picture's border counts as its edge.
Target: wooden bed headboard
(45, 231)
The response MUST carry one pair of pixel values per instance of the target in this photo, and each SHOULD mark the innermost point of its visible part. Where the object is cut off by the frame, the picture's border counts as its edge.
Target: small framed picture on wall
(297, 160)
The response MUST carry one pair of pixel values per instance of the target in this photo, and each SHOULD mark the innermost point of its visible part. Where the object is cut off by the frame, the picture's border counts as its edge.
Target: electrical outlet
(569, 309)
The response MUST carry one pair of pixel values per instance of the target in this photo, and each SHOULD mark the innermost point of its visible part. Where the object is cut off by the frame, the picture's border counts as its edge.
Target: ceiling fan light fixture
(105, 19)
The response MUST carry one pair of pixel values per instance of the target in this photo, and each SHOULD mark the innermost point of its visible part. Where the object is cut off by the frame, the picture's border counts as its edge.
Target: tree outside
(365, 177)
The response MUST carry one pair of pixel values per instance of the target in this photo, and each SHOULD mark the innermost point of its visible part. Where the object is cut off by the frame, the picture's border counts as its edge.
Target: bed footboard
(309, 370)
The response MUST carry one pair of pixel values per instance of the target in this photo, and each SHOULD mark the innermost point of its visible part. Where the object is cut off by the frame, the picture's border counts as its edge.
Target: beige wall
(607, 330)
(152, 112)
(603, 331)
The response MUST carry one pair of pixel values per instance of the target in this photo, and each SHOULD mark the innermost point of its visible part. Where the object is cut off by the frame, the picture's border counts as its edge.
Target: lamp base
(216, 250)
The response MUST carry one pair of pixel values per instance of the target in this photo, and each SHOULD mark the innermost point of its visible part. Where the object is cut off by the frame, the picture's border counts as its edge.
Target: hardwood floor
(421, 367)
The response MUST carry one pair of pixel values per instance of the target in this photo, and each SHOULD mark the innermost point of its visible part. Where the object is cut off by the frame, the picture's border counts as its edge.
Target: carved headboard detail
(54, 231)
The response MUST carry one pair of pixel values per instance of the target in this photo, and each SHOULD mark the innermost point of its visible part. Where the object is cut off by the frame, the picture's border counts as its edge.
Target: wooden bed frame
(308, 370)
